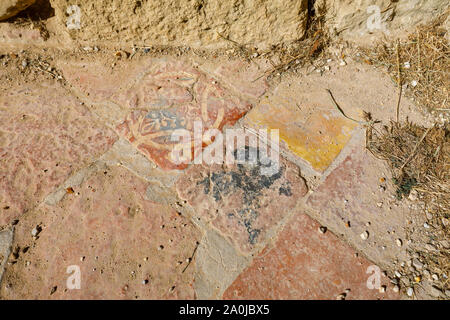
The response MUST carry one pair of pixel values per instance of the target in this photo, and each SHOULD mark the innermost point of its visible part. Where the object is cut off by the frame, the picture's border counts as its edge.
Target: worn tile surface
(305, 264)
(170, 98)
(110, 210)
(97, 80)
(125, 246)
(357, 197)
(240, 202)
(45, 135)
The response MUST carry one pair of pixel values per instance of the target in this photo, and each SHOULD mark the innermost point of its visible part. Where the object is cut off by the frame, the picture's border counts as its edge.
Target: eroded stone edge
(217, 265)
(6, 240)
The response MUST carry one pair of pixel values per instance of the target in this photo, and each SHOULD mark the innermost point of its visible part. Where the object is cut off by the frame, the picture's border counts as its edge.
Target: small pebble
(396, 288)
(399, 242)
(364, 235)
(382, 289)
(407, 65)
(322, 229)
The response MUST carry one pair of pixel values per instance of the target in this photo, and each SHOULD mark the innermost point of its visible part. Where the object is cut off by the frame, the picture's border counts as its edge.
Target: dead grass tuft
(419, 159)
(424, 60)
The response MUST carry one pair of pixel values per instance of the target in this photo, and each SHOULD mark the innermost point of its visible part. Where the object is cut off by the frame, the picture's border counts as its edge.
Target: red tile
(306, 264)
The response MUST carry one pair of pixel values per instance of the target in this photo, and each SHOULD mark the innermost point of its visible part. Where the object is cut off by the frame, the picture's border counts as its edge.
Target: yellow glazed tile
(315, 134)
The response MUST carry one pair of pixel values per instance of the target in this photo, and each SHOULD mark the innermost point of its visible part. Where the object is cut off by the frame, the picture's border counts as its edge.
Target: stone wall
(364, 21)
(9, 8)
(212, 24)
(196, 23)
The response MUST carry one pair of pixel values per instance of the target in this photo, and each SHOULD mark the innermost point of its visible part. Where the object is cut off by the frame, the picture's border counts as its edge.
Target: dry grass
(419, 159)
(424, 61)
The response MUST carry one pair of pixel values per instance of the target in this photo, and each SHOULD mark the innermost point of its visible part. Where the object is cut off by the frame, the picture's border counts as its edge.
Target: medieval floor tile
(104, 231)
(45, 135)
(240, 201)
